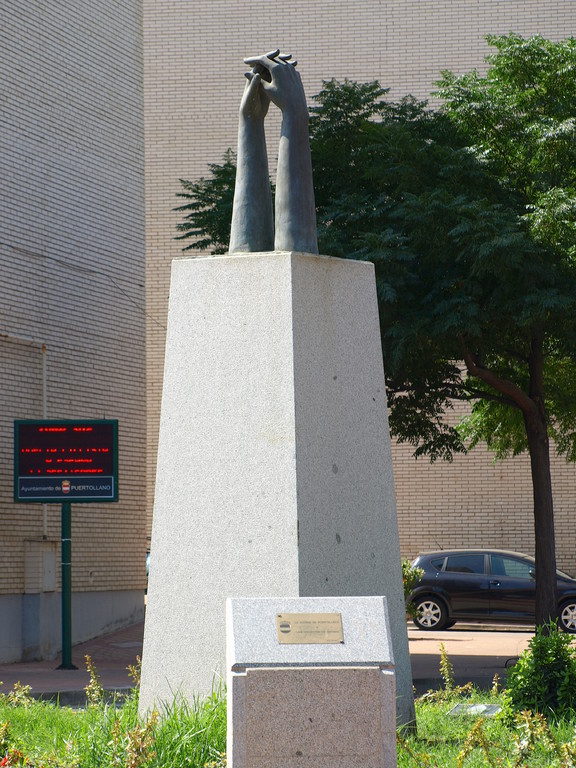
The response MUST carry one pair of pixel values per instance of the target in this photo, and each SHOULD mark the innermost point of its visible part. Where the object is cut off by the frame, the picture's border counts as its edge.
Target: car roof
(475, 551)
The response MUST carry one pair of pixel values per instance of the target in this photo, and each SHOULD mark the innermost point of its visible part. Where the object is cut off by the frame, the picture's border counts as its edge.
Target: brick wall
(72, 260)
(193, 85)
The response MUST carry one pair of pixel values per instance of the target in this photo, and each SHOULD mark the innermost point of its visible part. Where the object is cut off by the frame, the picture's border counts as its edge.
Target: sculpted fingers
(255, 101)
(280, 80)
(253, 80)
(264, 63)
(286, 59)
(263, 58)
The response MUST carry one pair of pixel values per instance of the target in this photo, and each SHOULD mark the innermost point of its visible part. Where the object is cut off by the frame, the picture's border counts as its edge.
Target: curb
(78, 700)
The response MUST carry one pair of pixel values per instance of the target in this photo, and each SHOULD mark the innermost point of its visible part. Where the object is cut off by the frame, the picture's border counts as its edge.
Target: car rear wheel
(430, 614)
(568, 616)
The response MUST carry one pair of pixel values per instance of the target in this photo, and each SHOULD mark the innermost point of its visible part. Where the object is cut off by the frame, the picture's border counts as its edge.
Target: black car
(483, 585)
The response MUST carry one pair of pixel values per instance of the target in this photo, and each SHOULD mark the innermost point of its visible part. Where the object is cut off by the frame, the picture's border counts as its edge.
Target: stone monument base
(324, 717)
(274, 465)
(310, 704)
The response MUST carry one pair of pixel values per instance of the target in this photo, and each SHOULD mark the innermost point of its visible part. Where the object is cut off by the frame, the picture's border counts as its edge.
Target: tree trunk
(545, 547)
(534, 412)
(539, 447)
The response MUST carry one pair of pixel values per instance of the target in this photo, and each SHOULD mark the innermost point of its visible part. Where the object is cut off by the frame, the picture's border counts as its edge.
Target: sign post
(57, 462)
(67, 587)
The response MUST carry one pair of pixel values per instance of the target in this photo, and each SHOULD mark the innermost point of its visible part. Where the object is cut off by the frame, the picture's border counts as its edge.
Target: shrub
(411, 575)
(544, 678)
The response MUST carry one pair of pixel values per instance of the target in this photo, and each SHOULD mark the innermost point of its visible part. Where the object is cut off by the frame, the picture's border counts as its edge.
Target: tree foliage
(520, 121)
(446, 242)
(209, 207)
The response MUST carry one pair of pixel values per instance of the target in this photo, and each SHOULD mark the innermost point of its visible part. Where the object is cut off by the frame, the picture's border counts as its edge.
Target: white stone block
(274, 466)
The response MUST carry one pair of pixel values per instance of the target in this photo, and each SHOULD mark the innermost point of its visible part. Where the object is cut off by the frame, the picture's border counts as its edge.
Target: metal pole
(67, 587)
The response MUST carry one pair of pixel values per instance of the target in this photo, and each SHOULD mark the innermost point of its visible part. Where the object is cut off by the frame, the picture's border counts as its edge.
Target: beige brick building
(72, 302)
(193, 82)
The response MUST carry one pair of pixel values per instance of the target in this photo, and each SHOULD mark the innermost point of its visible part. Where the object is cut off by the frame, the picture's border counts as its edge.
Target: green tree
(520, 121)
(413, 199)
(468, 214)
(209, 207)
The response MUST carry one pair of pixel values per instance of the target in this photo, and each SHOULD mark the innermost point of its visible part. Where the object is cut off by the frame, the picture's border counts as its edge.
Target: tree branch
(507, 388)
(481, 394)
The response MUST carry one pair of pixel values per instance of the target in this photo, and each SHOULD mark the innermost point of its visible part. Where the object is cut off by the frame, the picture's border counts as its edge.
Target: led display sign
(66, 461)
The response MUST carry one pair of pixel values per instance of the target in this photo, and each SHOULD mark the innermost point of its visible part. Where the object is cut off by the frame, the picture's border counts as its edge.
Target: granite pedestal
(310, 704)
(274, 465)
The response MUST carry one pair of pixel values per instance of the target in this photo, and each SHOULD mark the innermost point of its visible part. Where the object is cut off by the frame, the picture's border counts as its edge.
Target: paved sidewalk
(110, 653)
(477, 654)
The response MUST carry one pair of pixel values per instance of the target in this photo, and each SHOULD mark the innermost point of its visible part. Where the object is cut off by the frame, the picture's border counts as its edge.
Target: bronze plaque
(308, 628)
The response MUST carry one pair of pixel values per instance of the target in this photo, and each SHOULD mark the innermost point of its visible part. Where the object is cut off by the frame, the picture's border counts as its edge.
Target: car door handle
(494, 583)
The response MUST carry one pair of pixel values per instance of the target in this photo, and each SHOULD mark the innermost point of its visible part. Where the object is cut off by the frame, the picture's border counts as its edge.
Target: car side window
(465, 564)
(508, 566)
(437, 563)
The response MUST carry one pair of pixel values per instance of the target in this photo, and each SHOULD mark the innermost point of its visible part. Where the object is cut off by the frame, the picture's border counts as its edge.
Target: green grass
(503, 741)
(45, 735)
